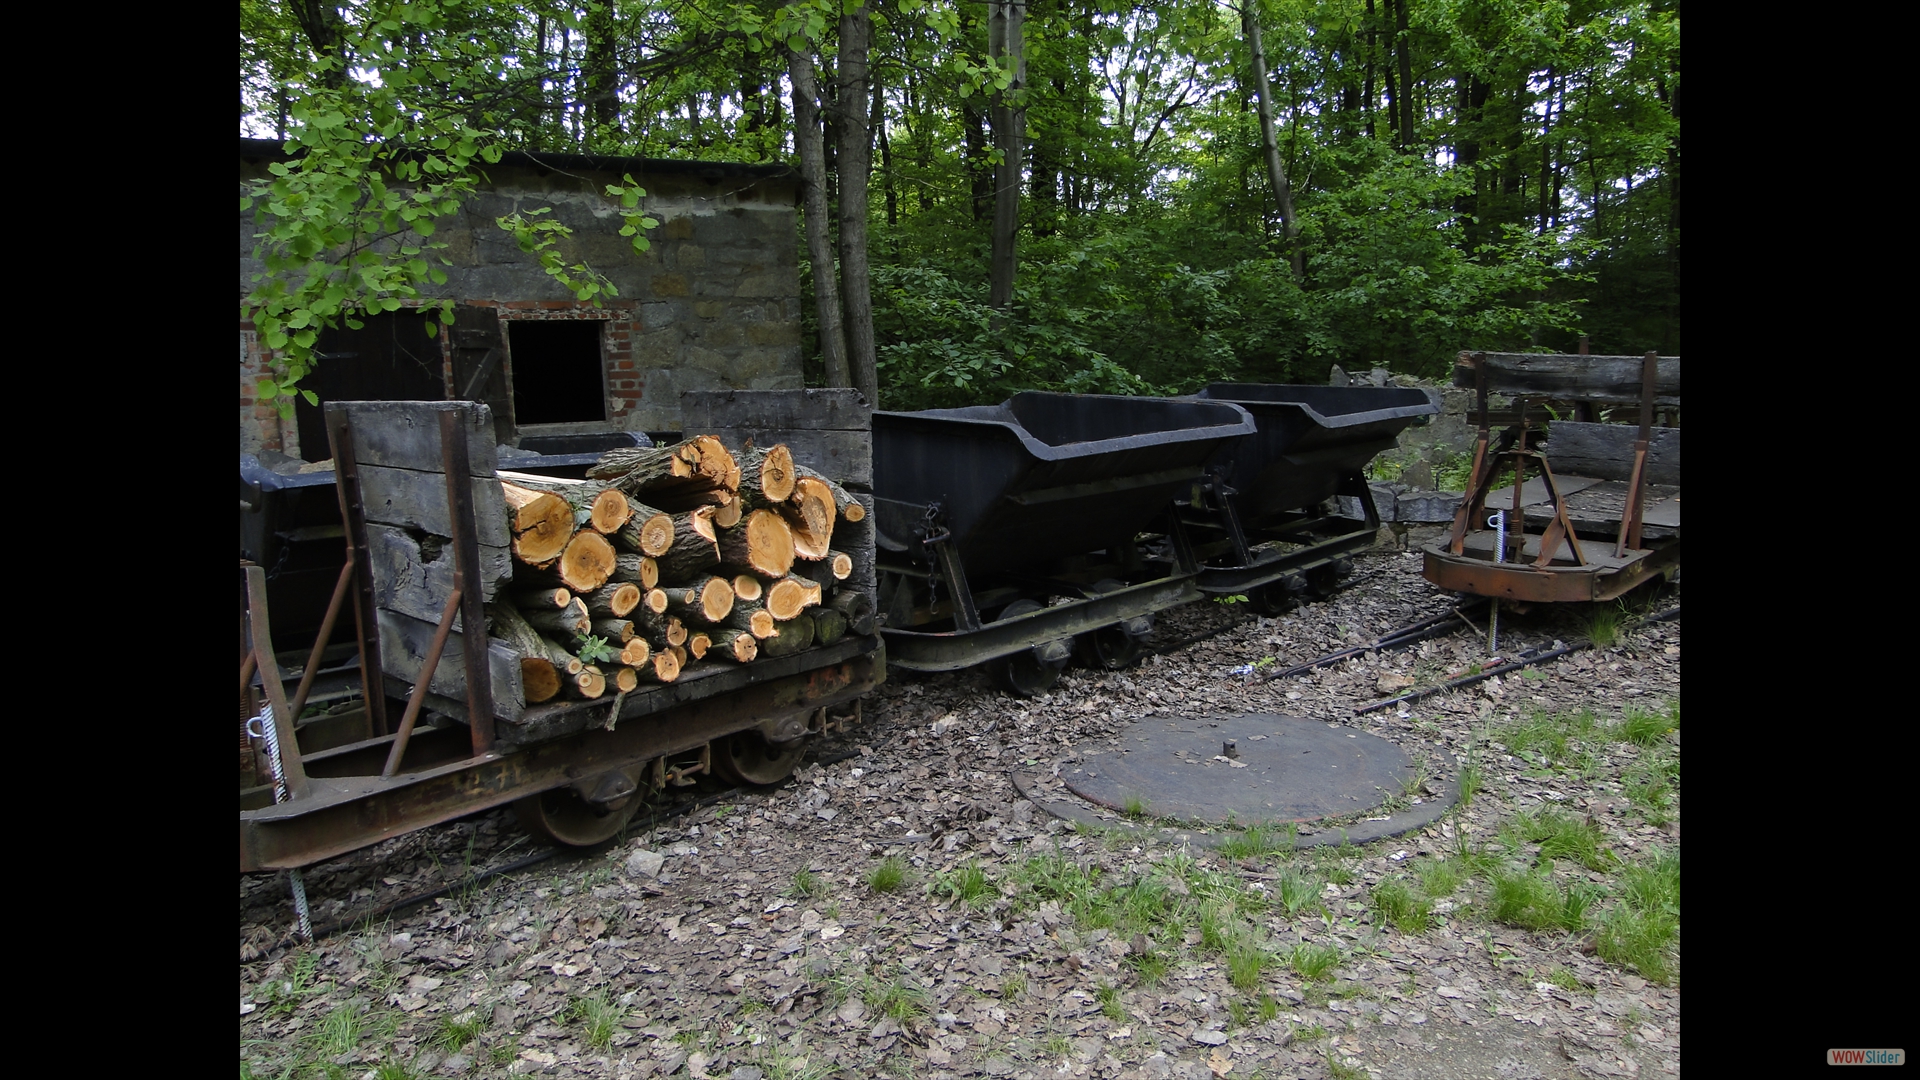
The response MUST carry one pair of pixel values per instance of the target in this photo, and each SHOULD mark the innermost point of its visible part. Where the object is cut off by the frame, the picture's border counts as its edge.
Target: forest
(1081, 195)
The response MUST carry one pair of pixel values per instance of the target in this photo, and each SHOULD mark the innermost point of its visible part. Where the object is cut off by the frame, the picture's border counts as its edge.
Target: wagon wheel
(1270, 599)
(1022, 673)
(562, 817)
(1324, 580)
(1109, 647)
(746, 757)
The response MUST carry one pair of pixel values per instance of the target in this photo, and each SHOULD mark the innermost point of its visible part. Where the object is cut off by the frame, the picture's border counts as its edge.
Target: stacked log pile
(666, 557)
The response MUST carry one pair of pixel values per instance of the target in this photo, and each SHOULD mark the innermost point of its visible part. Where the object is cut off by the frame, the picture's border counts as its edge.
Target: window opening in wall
(558, 374)
(390, 358)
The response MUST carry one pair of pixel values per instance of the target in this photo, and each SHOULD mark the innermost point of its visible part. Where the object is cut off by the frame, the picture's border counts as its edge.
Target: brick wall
(713, 305)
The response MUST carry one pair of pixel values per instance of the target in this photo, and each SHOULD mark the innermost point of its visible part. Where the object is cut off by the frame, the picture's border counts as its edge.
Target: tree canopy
(1443, 174)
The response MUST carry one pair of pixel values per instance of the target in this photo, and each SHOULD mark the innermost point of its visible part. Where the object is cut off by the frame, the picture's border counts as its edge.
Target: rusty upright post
(1636, 487)
(466, 577)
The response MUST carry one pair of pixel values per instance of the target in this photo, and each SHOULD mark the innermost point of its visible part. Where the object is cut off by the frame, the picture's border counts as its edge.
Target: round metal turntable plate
(1288, 769)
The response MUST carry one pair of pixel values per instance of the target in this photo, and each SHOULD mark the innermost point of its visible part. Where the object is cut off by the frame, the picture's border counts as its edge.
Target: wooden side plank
(1573, 378)
(406, 434)
(406, 580)
(418, 500)
(1606, 451)
(403, 648)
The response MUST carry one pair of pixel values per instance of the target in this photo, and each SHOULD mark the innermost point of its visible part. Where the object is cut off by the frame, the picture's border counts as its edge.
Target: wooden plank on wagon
(1606, 451)
(406, 434)
(414, 499)
(413, 576)
(404, 641)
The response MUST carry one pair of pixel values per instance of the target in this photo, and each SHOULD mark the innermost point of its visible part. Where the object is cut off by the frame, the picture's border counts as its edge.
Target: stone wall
(713, 305)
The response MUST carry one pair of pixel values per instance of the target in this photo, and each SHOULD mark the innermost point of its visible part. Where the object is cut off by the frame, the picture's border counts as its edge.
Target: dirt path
(768, 943)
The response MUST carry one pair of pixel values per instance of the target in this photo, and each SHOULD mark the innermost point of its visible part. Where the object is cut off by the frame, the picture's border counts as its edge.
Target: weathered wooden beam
(1606, 451)
(1570, 378)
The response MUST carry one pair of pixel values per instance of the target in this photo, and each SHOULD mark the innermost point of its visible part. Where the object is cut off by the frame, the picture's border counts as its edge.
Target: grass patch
(597, 1017)
(1136, 808)
(456, 1032)
(1440, 877)
(1532, 901)
(1647, 729)
(285, 995)
(967, 884)
(896, 998)
(1246, 962)
(1013, 987)
(1313, 962)
(1564, 836)
(1109, 998)
(889, 875)
(1259, 841)
(1566, 980)
(1149, 967)
(1603, 623)
(806, 883)
(1298, 892)
(338, 1033)
(1640, 931)
(1396, 903)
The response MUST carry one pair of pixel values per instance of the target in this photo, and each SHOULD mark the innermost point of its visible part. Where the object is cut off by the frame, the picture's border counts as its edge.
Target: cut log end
(538, 679)
(587, 562)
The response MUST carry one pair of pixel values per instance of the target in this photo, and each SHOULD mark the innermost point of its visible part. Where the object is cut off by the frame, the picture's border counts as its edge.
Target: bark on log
(587, 562)
(642, 570)
(857, 606)
(541, 523)
(754, 618)
(706, 601)
(762, 543)
(766, 477)
(647, 532)
(829, 626)
(540, 680)
(540, 596)
(619, 631)
(615, 600)
(597, 506)
(568, 623)
(694, 545)
(844, 504)
(789, 637)
(738, 646)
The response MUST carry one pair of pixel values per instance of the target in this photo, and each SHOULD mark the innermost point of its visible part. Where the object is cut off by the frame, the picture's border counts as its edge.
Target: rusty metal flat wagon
(421, 513)
(1560, 510)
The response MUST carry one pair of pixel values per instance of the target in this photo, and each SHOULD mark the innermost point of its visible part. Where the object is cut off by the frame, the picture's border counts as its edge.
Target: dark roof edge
(270, 149)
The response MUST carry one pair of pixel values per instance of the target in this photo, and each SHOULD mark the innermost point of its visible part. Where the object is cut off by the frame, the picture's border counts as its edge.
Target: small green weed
(1648, 728)
(1439, 877)
(1109, 998)
(806, 883)
(898, 998)
(1150, 967)
(456, 1032)
(1603, 623)
(1566, 980)
(1395, 902)
(1246, 961)
(967, 884)
(1136, 808)
(1260, 840)
(1640, 940)
(1563, 836)
(285, 995)
(1334, 865)
(1058, 1046)
(1298, 892)
(1013, 986)
(597, 1017)
(1313, 962)
(339, 1033)
(889, 875)
(1533, 902)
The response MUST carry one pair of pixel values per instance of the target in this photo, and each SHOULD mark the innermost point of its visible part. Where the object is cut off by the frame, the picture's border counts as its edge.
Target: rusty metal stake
(427, 665)
(326, 633)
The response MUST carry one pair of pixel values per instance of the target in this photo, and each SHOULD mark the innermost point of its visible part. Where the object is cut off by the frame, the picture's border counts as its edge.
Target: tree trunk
(1006, 41)
(813, 170)
(1403, 48)
(1282, 191)
(855, 159)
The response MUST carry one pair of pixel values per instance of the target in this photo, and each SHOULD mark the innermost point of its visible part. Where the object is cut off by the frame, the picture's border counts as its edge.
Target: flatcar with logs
(650, 613)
